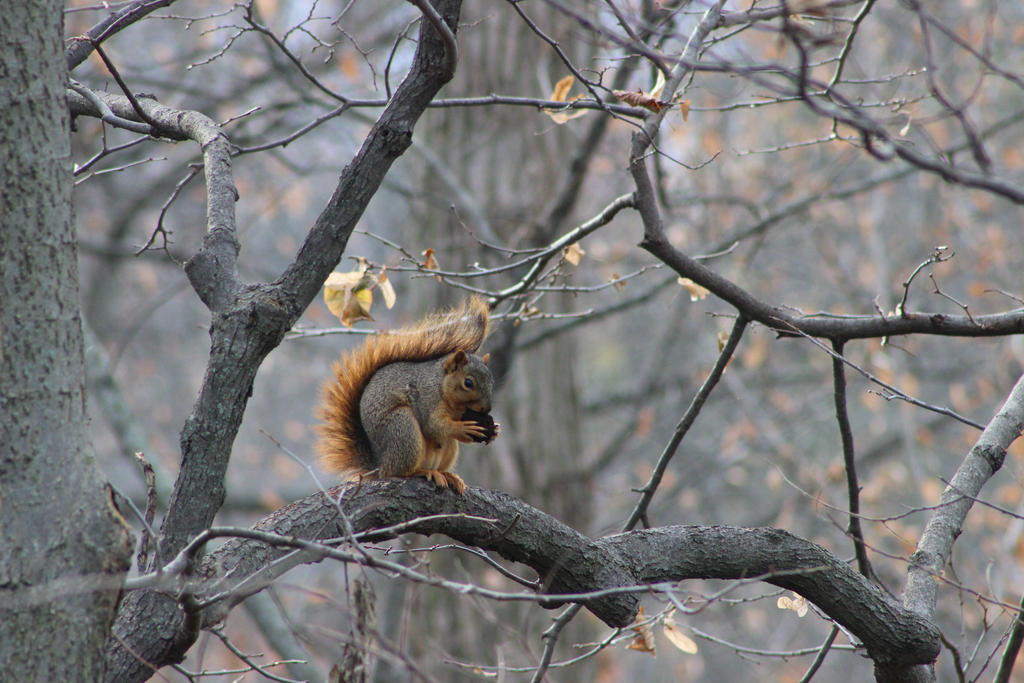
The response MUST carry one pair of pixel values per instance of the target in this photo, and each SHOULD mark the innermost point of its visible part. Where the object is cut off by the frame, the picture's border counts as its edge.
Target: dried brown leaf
(638, 98)
(644, 638)
(428, 259)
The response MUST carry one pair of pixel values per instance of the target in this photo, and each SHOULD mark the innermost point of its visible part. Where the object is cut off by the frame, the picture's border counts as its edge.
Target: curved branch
(566, 561)
(211, 270)
(891, 634)
(837, 328)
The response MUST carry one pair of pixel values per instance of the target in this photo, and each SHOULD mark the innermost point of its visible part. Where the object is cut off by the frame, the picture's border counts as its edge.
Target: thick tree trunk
(63, 547)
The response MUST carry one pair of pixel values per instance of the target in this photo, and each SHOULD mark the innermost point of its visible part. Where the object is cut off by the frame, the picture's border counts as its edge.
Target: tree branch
(212, 270)
(849, 461)
(608, 571)
(936, 544)
(81, 46)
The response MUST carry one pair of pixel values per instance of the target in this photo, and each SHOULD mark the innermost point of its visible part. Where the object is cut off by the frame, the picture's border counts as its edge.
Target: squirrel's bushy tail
(343, 445)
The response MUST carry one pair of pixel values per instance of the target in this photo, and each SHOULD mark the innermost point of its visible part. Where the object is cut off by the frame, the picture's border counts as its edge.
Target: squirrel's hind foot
(443, 479)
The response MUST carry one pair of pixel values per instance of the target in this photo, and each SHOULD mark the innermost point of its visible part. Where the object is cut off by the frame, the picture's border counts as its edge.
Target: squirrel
(399, 405)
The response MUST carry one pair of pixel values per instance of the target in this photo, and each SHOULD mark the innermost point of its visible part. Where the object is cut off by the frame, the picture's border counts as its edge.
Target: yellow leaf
(561, 117)
(562, 88)
(561, 94)
(644, 639)
(349, 296)
(350, 307)
(696, 291)
(678, 638)
(798, 604)
(723, 337)
(573, 254)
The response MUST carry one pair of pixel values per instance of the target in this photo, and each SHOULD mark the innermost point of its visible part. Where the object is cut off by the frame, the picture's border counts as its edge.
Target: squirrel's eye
(468, 383)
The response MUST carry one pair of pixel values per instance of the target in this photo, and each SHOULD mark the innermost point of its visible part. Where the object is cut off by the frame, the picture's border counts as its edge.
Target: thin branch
(1006, 662)
(550, 637)
(820, 658)
(849, 461)
(248, 659)
(540, 259)
(124, 86)
(81, 46)
(689, 417)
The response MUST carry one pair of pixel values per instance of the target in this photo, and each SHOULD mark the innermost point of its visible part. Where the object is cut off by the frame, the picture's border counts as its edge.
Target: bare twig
(1012, 647)
(127, 92)
(820, 658)
(849, 461)
(689, 417)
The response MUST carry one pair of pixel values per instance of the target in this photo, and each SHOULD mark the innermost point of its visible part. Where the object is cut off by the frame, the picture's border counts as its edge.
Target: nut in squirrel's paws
(484, 420)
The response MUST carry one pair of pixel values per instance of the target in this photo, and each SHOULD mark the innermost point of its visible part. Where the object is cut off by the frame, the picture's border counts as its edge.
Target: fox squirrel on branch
(399, 405)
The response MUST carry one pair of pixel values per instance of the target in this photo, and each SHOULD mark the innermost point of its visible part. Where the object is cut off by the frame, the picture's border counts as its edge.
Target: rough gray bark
(63, 546)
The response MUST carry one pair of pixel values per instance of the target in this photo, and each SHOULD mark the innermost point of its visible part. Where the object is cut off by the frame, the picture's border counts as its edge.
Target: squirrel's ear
(455, 361)
(484, 358)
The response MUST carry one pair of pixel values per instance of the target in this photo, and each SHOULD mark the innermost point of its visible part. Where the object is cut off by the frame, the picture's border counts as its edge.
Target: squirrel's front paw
(480, 427)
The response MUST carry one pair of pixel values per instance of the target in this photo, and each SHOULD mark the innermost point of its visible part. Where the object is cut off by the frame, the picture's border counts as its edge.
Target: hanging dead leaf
(678, 638)
(644, 639)
(617, 282)
(697, 292)
(638, 98)
(349, 296)
(659, 85)
(797, 604)
(386, 290)
(649, 100)
(684, 107)
(562, 88)
(573, 254)
(561, 94)
(428, 259)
